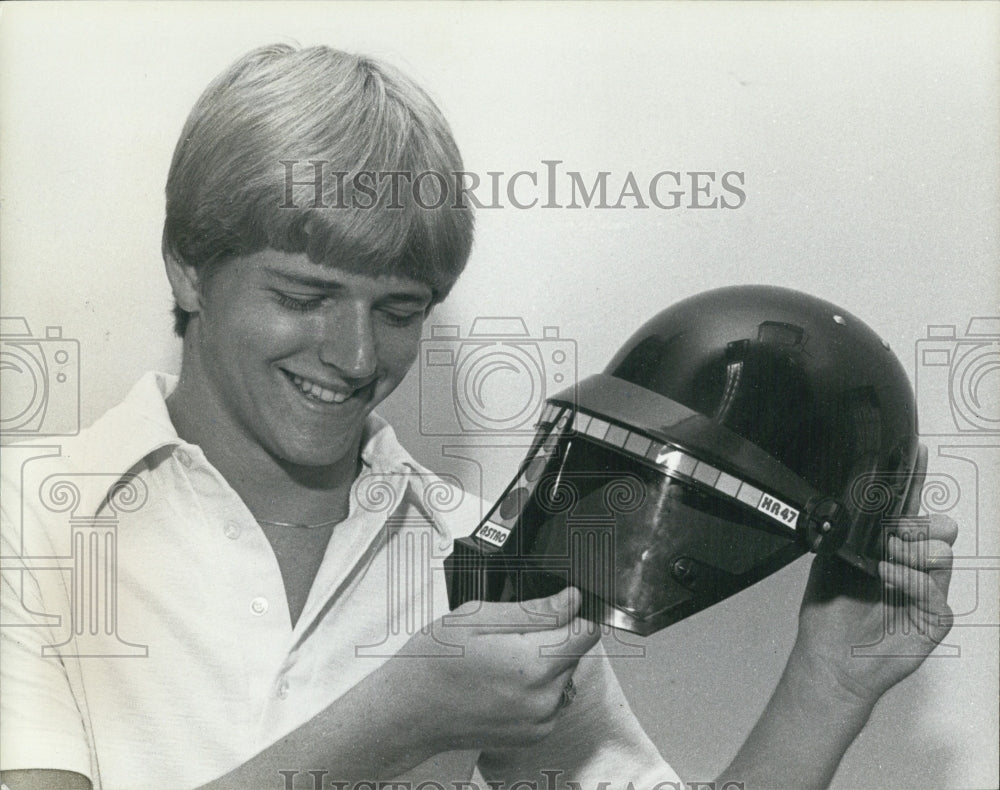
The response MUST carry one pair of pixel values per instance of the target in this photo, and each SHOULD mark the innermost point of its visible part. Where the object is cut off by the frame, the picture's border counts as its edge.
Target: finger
(564, 605)
(917, 586)
(924, 555)
(937, 526)
(541, 614)
(933, 556)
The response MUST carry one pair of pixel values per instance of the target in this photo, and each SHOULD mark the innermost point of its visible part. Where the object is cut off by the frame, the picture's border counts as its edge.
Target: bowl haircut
(289, 149)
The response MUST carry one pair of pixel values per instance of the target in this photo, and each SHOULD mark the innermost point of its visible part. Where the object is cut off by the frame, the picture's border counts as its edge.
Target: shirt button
(283, 688)
(258, 605)
(233, 530)
(184, 457)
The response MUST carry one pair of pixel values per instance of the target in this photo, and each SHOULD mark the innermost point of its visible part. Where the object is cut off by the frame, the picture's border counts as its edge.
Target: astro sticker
(493, 533)
(778, 510)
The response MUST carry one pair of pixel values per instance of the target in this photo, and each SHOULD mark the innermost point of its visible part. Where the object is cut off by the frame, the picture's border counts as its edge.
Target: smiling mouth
(317, 392)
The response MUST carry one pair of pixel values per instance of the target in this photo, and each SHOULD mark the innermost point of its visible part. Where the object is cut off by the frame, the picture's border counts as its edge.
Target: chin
(326, 455)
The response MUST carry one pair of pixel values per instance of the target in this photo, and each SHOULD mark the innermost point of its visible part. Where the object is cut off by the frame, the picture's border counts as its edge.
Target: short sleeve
(597, 741)
(42, 725)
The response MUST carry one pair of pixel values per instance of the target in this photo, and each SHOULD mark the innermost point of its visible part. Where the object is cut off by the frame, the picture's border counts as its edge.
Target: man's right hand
(506, 687)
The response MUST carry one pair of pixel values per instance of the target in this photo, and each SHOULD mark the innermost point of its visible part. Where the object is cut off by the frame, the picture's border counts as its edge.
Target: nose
(348, 343)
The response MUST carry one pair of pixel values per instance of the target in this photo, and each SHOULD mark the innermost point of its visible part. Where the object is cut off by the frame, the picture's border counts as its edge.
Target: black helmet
(732, 433)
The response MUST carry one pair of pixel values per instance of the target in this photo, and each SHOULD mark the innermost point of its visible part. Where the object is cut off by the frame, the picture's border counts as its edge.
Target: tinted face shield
(646, 547)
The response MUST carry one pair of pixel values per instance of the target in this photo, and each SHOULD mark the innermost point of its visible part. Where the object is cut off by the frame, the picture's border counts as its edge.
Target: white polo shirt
(145, 639)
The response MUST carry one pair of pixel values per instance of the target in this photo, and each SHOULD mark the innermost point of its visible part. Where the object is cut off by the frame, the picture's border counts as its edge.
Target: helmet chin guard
(734, 432)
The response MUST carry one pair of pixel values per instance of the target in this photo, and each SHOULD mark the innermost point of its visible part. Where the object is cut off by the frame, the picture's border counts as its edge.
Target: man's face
(293, 356)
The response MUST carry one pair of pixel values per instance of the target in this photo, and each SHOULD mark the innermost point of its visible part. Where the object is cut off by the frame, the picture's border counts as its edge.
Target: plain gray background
(867, 134)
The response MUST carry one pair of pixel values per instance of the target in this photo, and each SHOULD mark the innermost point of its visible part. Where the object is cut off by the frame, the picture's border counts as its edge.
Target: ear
(184, 281)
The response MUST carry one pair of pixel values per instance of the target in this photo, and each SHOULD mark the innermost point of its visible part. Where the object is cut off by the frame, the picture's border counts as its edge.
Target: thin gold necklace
(332, 522)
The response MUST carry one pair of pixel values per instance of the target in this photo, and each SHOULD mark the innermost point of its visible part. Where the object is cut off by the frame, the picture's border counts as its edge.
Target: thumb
(564, 605)
(538, 614)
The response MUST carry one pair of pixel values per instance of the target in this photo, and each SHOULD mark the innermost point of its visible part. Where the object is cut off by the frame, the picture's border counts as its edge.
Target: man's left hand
(863, 635)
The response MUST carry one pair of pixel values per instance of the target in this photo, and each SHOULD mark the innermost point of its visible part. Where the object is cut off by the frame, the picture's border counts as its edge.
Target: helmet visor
(648, 544)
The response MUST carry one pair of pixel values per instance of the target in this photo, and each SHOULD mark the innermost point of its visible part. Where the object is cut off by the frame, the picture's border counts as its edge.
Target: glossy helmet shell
(800, 379)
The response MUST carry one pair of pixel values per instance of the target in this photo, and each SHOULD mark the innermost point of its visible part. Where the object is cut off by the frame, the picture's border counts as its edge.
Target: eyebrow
(332, 286)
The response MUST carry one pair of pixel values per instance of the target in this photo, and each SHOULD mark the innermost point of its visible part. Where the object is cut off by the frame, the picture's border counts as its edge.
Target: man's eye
(402, 319)
(298, 302)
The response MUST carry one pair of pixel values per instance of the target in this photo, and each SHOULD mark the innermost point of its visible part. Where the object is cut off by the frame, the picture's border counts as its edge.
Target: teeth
(314, 390)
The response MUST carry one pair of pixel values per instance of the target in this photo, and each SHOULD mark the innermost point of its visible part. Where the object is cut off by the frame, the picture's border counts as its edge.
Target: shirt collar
(385, 459)
(140, 425)
(124, 436)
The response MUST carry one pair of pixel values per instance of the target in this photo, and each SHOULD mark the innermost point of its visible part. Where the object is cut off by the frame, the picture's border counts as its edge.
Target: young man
(257, 500)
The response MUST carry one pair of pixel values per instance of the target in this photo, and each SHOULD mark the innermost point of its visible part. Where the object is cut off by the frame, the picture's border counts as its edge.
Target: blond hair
(242, 175)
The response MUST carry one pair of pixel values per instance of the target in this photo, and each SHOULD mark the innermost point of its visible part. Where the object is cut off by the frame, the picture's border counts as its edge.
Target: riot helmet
(732, 433)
